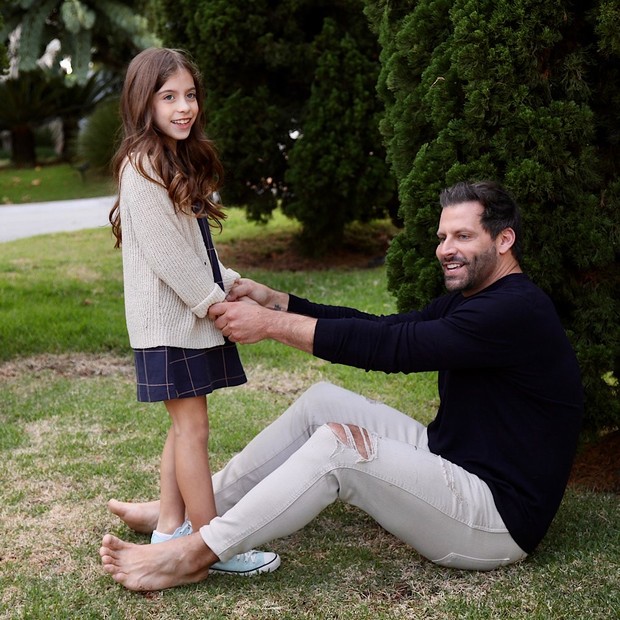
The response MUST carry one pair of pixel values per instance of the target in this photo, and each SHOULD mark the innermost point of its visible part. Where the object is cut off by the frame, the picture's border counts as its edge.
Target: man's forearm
(293, 330)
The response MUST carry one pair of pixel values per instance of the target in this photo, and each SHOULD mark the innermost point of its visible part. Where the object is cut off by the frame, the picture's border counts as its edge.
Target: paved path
(39, 218)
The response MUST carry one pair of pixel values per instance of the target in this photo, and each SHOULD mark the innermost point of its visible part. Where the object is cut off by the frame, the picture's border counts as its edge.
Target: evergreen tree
(333, 169)
(260, 60)
(526, 93)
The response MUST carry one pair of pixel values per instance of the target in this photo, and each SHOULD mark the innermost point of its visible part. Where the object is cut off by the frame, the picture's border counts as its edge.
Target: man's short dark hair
(500, 209)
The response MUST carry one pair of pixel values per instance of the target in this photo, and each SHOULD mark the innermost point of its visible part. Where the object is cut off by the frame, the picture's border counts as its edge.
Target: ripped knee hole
(356, 438)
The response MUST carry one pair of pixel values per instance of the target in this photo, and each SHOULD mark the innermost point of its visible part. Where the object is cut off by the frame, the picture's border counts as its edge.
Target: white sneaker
(185, 529)
(248, 564)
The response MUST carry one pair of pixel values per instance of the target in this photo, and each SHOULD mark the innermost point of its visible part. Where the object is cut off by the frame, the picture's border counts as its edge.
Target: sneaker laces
(248, 556)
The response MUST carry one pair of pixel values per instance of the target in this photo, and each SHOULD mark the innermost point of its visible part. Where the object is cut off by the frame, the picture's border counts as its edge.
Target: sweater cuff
(229, 276)
(216, 295)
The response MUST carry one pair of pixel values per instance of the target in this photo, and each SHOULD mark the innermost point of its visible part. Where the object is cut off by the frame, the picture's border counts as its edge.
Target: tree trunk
(70, 130)
(22, 146)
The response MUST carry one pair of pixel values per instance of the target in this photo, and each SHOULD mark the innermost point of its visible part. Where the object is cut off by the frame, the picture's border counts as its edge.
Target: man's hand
(248, 323)
(240, 322)
(245, 289)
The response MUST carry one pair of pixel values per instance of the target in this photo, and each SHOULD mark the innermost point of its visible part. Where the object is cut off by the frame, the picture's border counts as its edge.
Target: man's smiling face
(468, 256)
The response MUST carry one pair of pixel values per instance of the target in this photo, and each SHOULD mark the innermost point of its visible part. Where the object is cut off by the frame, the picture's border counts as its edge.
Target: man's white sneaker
(248, 564)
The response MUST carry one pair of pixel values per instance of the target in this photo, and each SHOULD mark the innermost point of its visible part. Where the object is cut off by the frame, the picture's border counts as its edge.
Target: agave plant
(36, 97)
(25, 104)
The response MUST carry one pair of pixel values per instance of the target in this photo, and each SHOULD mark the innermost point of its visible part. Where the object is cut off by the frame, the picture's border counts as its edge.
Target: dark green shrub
(525, 93)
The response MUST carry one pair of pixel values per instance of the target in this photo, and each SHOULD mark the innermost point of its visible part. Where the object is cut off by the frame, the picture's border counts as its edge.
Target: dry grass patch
(69, 365)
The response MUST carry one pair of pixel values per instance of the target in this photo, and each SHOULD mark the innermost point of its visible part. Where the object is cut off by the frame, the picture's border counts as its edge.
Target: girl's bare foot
(156, 567)
(139, 516)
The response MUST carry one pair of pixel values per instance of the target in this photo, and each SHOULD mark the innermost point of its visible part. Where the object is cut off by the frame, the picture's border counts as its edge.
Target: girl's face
(175, 107)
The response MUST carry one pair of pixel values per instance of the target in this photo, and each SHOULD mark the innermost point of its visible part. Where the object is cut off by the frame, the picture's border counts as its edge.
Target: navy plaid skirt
(166, 373)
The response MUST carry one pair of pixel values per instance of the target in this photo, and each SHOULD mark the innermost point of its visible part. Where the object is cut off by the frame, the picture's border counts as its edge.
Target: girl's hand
(245, 289)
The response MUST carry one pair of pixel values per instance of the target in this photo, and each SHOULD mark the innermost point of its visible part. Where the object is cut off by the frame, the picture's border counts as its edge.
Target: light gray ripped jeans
(310, 457)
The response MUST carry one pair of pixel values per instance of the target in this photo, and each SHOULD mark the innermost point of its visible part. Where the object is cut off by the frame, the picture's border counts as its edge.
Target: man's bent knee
(356, 438)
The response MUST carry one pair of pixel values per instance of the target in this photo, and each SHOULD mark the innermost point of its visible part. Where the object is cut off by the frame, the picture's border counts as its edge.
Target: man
(476, 489)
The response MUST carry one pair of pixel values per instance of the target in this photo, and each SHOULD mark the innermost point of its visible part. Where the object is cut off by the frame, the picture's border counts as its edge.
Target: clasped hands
(242, 317)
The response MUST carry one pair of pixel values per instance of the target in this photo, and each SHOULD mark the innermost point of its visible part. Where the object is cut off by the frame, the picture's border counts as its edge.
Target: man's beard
(477, 270)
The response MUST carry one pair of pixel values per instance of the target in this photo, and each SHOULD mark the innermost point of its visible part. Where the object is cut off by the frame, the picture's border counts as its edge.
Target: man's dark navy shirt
(511, 399)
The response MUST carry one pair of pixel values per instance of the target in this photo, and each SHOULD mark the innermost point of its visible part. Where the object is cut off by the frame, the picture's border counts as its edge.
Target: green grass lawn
(57, 182)
(72, 435)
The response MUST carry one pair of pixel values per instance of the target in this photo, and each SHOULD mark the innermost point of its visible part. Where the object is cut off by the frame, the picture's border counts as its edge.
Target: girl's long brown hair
(191, 174)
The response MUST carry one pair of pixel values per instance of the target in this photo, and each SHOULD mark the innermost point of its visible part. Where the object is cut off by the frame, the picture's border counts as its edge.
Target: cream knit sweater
(168, 278)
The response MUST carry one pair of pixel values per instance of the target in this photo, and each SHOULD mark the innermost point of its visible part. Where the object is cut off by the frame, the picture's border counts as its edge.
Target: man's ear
(506, 239)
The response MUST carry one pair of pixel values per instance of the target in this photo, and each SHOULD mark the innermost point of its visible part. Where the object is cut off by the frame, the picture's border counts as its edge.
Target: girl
(168, 173)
